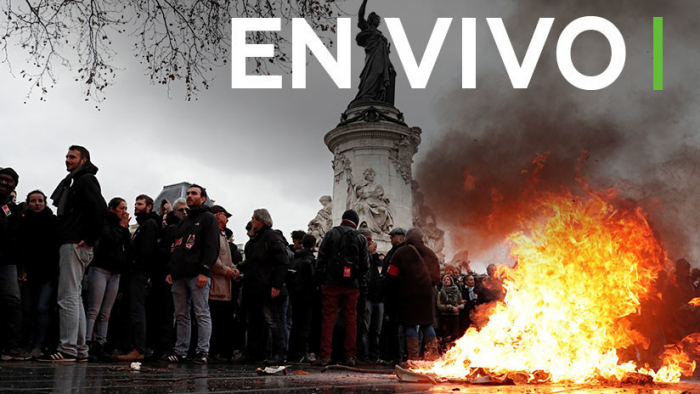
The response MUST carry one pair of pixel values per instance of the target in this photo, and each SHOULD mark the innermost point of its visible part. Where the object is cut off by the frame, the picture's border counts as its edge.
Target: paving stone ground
(36, 377)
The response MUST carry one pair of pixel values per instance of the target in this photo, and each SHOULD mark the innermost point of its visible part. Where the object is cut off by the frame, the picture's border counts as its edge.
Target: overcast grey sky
(256, 149)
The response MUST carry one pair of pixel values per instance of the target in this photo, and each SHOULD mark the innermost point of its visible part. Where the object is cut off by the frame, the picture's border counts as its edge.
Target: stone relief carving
(401, 154)
(341, 166)
(323, 221)
(368, 200)
(424, 217)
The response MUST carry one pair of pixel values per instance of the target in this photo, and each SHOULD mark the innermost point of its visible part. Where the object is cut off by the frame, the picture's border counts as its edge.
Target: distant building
(175, 191)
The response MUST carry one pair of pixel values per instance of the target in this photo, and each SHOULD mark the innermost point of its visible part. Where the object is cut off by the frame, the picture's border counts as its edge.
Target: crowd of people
(82, 285)
(79, 285)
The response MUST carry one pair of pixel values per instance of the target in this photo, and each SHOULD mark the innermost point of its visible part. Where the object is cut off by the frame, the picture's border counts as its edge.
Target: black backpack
(344, 264)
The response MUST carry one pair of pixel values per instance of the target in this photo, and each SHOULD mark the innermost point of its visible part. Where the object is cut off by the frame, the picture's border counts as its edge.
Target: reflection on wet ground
(35, 377)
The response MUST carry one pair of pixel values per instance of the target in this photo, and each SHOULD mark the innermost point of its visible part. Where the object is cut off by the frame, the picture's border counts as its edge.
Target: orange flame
(584, 265)
(695, 302)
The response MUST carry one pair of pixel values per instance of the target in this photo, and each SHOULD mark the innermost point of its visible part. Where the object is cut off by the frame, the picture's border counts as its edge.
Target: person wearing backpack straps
(342, 259)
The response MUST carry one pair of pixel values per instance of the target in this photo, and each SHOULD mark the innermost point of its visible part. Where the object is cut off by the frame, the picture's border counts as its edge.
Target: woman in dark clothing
(412, 274)
(38, 248)
(449, 304)
(104, 272)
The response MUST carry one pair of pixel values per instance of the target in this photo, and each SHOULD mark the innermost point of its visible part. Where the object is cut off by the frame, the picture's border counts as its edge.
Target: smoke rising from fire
(642, 143)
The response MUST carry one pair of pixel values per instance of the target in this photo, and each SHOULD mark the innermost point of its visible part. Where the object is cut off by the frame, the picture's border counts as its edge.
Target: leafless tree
(175, 40)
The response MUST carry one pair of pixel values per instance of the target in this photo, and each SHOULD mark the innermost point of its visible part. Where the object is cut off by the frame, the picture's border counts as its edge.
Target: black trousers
(221, 342)
(301, 324)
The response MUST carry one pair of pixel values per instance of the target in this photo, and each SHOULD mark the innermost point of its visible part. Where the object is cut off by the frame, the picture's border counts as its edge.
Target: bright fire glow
(584, 265)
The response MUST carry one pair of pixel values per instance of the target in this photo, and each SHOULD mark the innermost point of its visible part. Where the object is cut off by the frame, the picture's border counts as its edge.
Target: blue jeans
(374, 316)
(11, 305)
(103, 286)
(71, 313)
(427, 330)
(186, 293)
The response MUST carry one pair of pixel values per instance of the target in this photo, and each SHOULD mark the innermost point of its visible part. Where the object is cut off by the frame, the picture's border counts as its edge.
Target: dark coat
(413, 272)
(266, 262)
(112, 248)
(165, 243)
(375, 280)
(38, 245)
(9, 222)
(144, 247)
(85, 208)
(300, 276)
(329, 248)
(196, 246)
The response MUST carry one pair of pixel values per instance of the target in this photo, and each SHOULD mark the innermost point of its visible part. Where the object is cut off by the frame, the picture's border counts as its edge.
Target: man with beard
(9, 287)
(144, 249)
(195, 251)
(81, 211)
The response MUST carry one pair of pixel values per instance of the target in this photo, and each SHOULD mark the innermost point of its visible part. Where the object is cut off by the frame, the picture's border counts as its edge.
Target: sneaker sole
(62, 360)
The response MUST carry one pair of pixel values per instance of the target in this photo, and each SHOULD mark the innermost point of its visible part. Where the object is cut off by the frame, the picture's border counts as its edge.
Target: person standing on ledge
(378, 77)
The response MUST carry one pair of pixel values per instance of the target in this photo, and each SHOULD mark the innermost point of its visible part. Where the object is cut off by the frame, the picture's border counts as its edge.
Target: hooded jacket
(266, 262)
(85, 208)
(38, 245)
(144, 247)
(196, 245)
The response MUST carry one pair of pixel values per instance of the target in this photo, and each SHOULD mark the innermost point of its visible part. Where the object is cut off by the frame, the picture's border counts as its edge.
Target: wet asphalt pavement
(36, 377)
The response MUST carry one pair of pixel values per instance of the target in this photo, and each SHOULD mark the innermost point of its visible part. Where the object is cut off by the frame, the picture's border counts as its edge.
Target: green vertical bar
(658, 53)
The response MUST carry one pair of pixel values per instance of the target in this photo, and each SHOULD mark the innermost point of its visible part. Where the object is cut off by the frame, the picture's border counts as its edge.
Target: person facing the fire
(412, 275)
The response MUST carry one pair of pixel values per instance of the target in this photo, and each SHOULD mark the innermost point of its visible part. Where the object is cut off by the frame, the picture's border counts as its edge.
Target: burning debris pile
(585, 263)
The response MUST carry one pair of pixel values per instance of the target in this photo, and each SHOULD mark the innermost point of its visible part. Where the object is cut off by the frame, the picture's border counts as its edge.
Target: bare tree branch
(176, 40)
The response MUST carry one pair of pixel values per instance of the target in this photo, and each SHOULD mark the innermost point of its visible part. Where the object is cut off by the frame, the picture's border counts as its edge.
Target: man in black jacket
(10, 301)
(300, 283)
(340, 283)
(144, 249)
(195, 251)
(81, 212)
(265, 268)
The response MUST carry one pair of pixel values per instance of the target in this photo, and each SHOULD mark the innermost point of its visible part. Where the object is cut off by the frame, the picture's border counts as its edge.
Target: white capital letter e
(240, 51)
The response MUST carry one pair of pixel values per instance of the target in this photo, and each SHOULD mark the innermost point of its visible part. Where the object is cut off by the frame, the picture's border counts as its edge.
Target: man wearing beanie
(81, 212)
(10, 301)
(342, 260)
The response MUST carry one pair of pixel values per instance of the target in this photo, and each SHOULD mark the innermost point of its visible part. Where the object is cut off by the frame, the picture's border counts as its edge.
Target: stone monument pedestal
(373, 151)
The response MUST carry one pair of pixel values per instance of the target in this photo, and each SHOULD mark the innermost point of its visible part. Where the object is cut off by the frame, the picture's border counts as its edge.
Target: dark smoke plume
(643, 143)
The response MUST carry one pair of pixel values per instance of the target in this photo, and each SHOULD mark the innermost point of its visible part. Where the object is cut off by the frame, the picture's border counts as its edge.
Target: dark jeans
(39, 297)
(11, 305)
(343, 297)
(137, 308)
(273, 310)
(222, 327)
(374, 317)
(301, 324)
